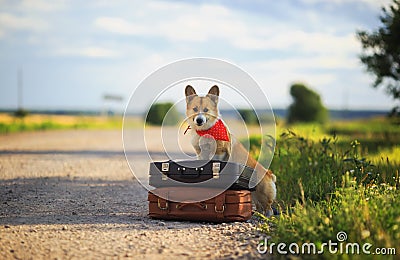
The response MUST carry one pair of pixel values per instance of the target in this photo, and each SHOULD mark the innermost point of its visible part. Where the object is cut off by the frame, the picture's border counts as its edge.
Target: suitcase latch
(162, 207)
(216, 167)
(164, 168)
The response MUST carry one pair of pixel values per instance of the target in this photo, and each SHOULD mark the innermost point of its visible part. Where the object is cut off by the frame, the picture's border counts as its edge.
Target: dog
(212, 140)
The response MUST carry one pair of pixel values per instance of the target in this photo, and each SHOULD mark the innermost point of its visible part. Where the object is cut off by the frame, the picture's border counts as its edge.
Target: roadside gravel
(70, 194)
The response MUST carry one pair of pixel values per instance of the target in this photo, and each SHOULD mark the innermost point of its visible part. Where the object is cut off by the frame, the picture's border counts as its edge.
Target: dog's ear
(190, 93)
(213, 93)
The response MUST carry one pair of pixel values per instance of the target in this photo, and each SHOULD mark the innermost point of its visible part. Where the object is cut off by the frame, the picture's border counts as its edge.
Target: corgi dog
(212, 140)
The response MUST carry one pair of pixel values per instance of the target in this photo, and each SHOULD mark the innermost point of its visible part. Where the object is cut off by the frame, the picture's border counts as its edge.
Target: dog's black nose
(199, 120)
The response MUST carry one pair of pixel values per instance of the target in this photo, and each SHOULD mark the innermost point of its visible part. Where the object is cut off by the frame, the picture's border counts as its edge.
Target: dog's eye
(195, 109)
(205, 110)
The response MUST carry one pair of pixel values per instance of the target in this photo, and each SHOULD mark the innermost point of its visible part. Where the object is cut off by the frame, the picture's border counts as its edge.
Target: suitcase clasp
(216, 167)
(160, 207)
(165, 167)
(219, 211)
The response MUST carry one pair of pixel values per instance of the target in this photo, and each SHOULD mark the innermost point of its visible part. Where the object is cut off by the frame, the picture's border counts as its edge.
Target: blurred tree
(249, 116)
(21, 113)
(307, 106)
(162, 113)
(381, 51)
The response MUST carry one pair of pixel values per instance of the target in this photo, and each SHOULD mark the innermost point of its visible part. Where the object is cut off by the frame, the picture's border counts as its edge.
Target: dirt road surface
(71, 195)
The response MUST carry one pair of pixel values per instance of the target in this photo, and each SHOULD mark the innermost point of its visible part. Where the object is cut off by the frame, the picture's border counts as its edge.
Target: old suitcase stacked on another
(180, 184)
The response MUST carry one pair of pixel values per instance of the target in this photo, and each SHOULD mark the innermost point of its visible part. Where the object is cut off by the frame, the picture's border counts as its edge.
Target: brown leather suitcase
(178, 203)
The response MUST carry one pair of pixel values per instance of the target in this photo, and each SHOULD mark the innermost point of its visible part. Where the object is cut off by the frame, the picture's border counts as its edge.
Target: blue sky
(73, 52)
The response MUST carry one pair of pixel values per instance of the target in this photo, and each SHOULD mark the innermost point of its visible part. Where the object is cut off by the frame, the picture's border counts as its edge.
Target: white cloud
(42, 5)
(91, 52)
(120, 26)
(209, 23)
(97, 52)
(183, 22)
(300, 41)
(319, 62)
(33, 5)
(375, 4)
(316, 54)
(10, 22)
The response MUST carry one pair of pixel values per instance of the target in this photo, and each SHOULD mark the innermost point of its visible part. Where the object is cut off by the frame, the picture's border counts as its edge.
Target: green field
(39, 122)
(340, 177)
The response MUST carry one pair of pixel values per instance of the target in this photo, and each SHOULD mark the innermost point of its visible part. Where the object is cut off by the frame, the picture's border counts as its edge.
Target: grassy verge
(328, 183)
(10, 124)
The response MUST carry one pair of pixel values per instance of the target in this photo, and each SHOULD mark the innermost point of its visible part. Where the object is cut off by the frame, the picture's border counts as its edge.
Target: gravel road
(70, 194)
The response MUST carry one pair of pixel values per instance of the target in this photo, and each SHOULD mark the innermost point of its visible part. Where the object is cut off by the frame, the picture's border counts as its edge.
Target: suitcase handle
(201, 206)
(182, 171)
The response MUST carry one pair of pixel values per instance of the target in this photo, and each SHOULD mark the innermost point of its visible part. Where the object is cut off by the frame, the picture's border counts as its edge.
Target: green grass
(328, 183)
(9, 124)
(366, 214)
(21, 126)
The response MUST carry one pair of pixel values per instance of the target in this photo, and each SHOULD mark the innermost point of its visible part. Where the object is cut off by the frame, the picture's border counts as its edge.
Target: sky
(73, 52)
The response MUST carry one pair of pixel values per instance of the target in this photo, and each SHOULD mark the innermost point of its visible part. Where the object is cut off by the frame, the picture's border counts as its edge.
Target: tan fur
(208, 148)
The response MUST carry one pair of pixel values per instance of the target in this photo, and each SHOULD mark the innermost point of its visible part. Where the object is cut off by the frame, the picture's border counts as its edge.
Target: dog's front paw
(269, 213)
(208, 148)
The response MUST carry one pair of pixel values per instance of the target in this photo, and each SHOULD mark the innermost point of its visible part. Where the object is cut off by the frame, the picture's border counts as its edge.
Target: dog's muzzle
(200, 119)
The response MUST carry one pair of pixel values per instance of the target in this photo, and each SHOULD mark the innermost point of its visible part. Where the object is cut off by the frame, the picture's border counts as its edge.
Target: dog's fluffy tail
(272, 175)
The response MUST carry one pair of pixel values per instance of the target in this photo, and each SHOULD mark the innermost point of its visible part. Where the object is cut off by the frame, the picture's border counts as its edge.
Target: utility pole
(20, 87)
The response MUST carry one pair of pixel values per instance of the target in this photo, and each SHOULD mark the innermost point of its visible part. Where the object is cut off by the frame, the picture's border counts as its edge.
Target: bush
(307, 106)
(249, 116)
(21, 113)
(162, 113)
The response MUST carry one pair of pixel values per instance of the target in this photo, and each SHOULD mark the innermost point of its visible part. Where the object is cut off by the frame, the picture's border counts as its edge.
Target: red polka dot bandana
(218, 131)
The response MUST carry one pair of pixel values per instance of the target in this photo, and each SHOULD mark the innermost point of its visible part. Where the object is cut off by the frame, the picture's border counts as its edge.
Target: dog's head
(201, 112)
